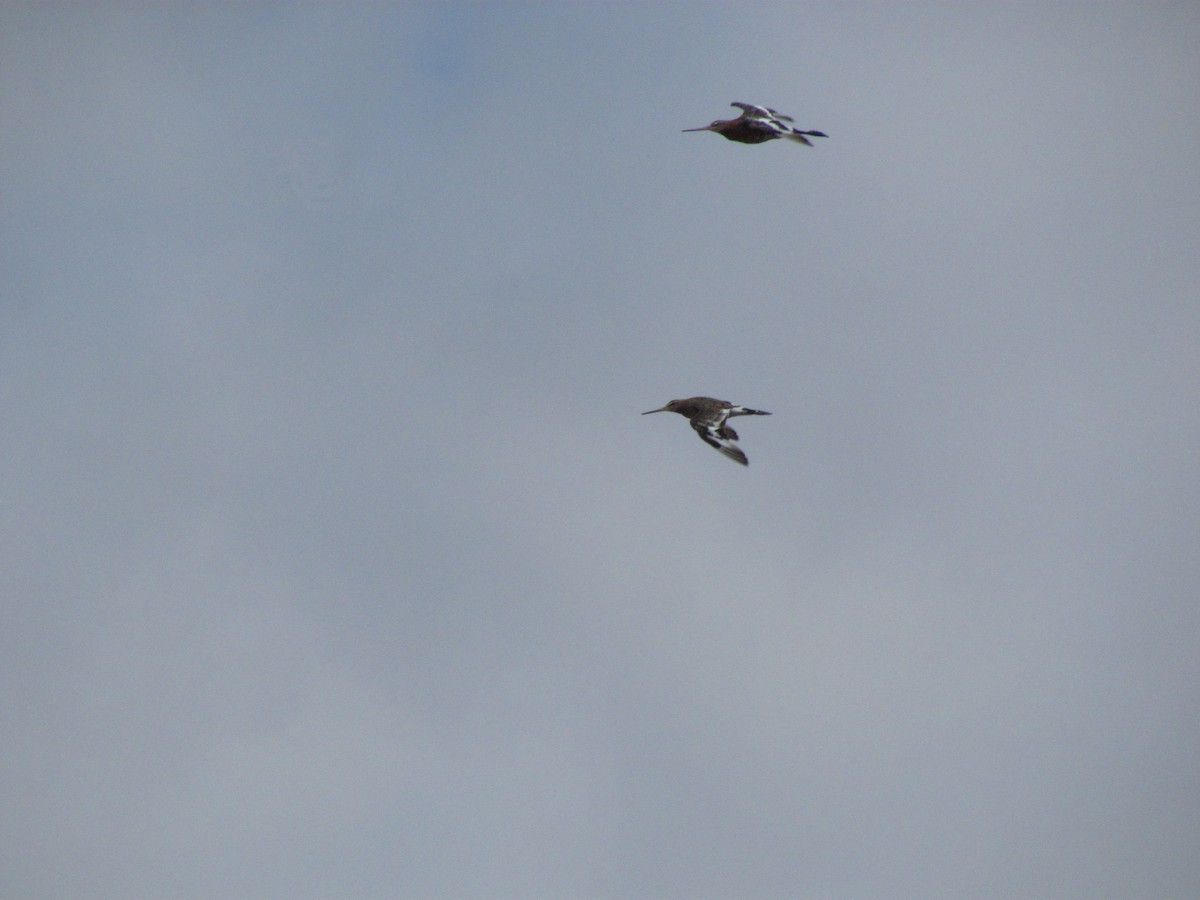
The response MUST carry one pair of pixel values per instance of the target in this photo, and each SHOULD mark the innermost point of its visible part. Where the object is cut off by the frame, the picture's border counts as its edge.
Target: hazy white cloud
(341, 563)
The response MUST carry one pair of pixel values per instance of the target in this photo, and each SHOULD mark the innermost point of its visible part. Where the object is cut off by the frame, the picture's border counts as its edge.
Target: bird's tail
(799, 136)
(746, 411)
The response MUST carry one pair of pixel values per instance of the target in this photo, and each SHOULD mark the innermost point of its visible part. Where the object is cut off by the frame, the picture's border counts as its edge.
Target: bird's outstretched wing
(720, 436)
(751, 111)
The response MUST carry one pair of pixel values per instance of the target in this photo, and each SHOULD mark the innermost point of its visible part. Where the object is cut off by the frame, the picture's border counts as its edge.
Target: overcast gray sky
(339, 562)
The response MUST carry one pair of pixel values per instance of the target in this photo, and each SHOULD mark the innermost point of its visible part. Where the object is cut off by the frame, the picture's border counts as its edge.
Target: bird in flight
(757, 124)
(709, 418)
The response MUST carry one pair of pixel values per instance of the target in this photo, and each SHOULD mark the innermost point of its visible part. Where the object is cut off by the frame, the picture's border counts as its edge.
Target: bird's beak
(647, 412)
(705, 128)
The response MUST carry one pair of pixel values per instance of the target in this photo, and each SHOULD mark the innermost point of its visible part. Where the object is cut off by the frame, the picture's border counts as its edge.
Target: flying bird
(709, 417)
(757, 124)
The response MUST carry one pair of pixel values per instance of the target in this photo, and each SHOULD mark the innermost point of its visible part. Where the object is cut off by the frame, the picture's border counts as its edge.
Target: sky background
(339, 562)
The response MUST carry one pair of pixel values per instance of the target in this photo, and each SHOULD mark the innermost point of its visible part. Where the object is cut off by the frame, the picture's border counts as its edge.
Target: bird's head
(673, 406)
